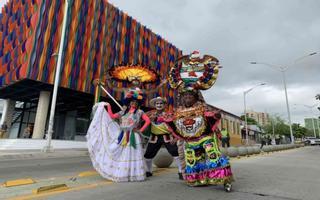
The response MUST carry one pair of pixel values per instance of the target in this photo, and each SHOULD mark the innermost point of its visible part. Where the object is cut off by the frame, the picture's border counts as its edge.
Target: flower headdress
(133, 94)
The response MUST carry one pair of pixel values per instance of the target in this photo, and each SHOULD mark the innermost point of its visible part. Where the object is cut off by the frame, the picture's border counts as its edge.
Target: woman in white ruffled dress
(114, 140)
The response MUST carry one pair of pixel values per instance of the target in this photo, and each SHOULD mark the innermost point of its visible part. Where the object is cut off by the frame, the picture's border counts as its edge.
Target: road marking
(157, 171)
(88, 173)
(18, 182)
(81, 187)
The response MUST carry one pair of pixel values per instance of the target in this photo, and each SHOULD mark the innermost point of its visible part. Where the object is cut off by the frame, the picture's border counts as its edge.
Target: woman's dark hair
(127, 104)
(127, 101)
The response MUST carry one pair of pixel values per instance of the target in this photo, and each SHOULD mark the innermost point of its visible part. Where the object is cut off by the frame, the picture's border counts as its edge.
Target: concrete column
(41, 115)
(7, 114)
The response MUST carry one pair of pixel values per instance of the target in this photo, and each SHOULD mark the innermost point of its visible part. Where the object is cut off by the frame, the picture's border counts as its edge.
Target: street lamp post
(272, 121)
(318, 127)
(245, 116)
(245, 109)
(283, 70)
(314, 128)
(287, 103)
(48, 147)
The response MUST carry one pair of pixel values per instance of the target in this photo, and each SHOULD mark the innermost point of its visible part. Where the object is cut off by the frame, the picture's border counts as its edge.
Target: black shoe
(148, 174)
(180, 176)
(227, 187)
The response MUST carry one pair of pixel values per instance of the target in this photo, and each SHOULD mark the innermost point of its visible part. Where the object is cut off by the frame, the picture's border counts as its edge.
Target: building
(98, 37)
(232, 123)
(313, 124)
(254, 133)
(261, 117)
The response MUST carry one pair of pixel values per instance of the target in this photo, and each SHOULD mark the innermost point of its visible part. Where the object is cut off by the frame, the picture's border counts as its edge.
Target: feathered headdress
(191, 72)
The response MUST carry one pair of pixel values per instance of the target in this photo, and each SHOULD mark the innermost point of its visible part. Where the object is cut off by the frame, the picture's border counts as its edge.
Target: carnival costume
(160, 135)
(197, 125)
(115, 148)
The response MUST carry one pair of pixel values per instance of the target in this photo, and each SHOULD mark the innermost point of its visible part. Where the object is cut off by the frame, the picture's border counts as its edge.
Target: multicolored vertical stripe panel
(18, 22)
(98, 36)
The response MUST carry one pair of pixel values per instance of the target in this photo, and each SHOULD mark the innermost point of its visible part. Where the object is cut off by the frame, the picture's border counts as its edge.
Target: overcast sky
(237, 32)
(240, 31)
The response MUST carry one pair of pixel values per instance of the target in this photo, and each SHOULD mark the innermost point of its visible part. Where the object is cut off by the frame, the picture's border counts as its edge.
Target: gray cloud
(240, 31)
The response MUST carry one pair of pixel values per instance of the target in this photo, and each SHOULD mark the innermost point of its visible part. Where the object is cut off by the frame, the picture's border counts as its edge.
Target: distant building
(309, 124)
(261, 117)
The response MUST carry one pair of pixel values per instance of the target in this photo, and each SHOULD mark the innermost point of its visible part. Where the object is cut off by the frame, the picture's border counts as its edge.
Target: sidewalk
(38, 154)
(39, 144)
(13, 149)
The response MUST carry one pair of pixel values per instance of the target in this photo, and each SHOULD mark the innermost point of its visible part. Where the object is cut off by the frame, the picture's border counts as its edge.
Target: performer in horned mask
(196, 124)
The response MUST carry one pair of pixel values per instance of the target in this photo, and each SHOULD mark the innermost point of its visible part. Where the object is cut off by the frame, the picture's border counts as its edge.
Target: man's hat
(154, 100)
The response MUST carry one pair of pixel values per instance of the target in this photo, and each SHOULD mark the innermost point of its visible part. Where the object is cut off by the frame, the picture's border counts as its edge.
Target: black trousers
(225, 142)
(153, 148)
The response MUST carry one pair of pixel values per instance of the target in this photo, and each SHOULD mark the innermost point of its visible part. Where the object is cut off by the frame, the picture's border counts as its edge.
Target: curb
(18, 182)
(50, 188)
(244, 151)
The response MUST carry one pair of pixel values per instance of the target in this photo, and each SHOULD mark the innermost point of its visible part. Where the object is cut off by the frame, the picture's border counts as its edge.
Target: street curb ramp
(50, 188)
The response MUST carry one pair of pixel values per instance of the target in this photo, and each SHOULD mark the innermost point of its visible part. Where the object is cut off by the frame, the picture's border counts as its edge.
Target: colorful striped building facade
(98, 37)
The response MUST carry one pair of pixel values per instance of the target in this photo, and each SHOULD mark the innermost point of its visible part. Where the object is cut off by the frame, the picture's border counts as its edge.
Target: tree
(279, 125)
(309, 133)
(299, 131)
(250, 120)
(281, 128)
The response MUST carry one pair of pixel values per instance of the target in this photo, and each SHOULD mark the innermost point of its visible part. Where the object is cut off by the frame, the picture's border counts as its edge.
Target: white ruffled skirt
(112, 160)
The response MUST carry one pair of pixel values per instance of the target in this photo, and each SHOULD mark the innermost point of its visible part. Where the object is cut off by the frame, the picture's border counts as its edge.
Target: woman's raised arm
(112, 115)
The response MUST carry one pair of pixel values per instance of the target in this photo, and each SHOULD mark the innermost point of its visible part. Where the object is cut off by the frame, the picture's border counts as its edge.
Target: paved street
(292, 174)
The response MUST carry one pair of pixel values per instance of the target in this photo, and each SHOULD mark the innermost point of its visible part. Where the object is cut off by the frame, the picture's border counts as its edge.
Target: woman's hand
(96, 82)
(136, 130)
(164, 81)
